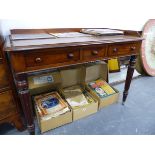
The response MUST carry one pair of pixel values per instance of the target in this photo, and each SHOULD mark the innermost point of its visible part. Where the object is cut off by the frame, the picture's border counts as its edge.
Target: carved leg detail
(129, 76)
(25, 99)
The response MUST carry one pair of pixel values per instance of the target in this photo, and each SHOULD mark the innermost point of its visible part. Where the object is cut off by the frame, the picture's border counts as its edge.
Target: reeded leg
(129, 76)
(25, 99)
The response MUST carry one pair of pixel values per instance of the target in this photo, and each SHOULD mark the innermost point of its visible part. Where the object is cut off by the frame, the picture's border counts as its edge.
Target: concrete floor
(119, 77)
(137, 117)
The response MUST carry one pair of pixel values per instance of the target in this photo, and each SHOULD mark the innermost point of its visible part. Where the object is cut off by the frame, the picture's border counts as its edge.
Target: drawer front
(93, 53)
(7, 106)
(51, 57)
(124, 49)
(3, 77)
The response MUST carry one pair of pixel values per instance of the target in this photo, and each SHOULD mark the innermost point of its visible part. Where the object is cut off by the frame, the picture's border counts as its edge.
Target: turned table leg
(129, 76)
(25, 99)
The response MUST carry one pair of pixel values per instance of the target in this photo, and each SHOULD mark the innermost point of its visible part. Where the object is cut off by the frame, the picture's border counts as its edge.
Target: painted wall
(121, 14)
(6, 25)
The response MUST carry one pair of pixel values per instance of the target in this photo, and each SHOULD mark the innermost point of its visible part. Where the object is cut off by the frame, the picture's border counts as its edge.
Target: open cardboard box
(44, 82)
(99, 70)
(41, 87)
(59, 80)
(54, 122)
(73, 77)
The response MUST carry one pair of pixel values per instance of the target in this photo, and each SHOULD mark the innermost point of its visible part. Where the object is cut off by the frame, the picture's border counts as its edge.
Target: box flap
(71, 77)
(43, 80)
(95, 71)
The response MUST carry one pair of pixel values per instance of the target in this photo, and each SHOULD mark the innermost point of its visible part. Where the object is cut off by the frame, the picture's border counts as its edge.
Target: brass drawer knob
(70, 55)
(115, 49)
(95, 52)
(132, 48)
(38, 60)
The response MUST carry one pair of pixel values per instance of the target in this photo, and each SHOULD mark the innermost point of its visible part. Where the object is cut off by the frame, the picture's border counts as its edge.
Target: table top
(29, 41)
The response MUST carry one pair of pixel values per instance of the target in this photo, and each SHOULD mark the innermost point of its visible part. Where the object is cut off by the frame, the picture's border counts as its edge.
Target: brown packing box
(54, 122)
(96, 71)
(43, 82)
(73, 77)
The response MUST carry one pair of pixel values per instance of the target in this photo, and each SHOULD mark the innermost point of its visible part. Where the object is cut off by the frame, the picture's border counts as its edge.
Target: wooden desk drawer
(93, 53)
(3, 77)
(51, 57)
(7, 106)
(123, 49)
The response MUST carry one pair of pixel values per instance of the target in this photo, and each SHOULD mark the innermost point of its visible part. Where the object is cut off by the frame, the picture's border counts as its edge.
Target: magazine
(50, 104)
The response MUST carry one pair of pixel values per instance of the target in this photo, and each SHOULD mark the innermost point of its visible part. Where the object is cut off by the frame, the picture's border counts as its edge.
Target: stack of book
(101, 88)
(76, 96)
(50, 105)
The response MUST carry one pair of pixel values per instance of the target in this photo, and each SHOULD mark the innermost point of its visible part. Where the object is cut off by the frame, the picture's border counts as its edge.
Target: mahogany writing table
(36, 51)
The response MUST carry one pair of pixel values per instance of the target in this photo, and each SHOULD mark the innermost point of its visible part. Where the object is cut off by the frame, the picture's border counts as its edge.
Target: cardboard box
(59, 80)
(73, 77)
(53, 122)
(96, 71)
(44, 82)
